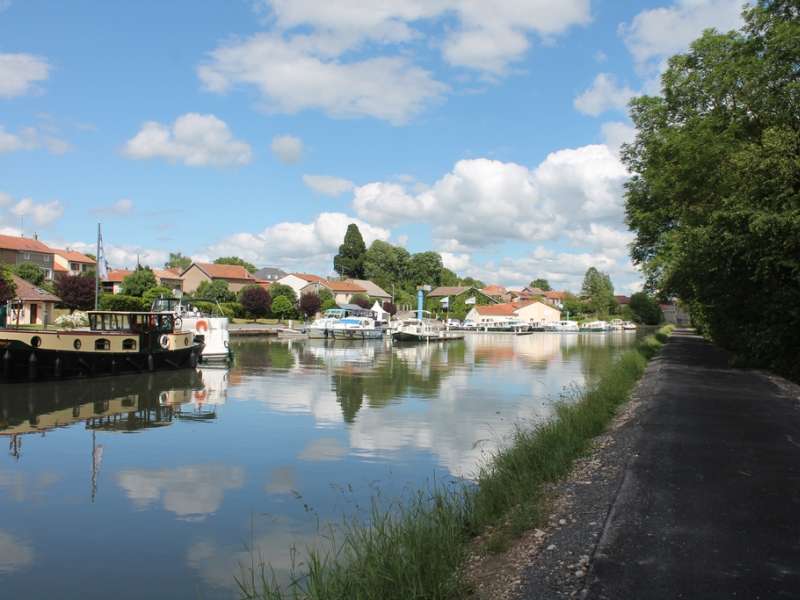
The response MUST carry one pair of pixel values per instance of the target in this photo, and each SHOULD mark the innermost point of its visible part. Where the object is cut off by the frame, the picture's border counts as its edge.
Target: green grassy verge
(417, 549)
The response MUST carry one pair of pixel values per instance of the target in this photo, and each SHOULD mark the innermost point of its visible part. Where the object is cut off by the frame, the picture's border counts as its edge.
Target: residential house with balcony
(15, 251)
(535, 314)
(302, 283)
(31, 305)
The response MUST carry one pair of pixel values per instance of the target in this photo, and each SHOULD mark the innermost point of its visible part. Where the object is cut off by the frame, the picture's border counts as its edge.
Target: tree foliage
(349, 262)
(385, 264)
(7, 286)
(390, 308)
(598, 292)
(541, 283)
(235, 260)
(255, 300)
(138, 282)
(310, 304)
(215, 290)
(153, 293)
(178, 261)
(282, 308)
(645, 308)
(425, 268)
(30, 273)
(360, 300)
(279, 289)
(122, 302)
(714, 198)
(76, 292)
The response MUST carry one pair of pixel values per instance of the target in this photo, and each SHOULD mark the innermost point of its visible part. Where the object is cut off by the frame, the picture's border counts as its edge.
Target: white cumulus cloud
(616, 133)
(19, 73)
(195, 140)
(657, 33)
(31, 138)
(43, 214)
(287, 148)
(295, 244)
(603, 95)
(482, 202)
(328, 185)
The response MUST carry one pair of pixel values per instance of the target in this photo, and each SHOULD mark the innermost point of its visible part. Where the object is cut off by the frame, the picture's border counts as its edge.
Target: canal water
(164, 485)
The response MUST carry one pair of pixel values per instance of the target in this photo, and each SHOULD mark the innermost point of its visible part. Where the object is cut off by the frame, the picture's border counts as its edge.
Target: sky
(486, 131)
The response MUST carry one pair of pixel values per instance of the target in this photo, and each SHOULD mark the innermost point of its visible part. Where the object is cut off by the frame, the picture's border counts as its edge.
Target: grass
(417, 548)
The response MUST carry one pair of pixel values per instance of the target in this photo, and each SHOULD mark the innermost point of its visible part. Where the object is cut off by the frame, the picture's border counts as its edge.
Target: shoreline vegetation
(418, 547)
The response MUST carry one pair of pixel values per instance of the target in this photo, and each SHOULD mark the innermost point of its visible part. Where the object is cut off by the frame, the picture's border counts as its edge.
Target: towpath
(709, 502)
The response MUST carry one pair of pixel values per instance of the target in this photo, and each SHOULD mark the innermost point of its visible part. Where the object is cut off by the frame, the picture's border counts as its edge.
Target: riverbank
(420, 549)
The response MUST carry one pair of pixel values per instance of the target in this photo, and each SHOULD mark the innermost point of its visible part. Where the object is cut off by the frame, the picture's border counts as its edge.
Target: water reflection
(295, 434)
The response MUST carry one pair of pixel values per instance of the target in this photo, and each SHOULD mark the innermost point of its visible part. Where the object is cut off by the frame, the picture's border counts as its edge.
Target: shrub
(138, 282)
(76, 292)
(30, 273)
(123, 302)
(233, 310)
(310, 304)
(282, 308)
(255, 300)
(153, 293)
(73, 320)
(360, 300)
(216, 290)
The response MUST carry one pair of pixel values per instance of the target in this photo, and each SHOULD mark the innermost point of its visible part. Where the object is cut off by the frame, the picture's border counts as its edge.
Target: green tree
(385, 264)
(178, 261)
(714, 198)
(540, 283)
(598, 292)
(282, 307)
(138, 282)
(215, 290)
(7, 286)
(425, 268)
(349, 262)
(279, 289)
(30, 273)
(326, 299)
(235, 260)
(645, 309)
(447, 277)
(470, 282)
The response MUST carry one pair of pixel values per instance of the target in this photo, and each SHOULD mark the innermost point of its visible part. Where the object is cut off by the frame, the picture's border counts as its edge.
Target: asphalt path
(709, 504)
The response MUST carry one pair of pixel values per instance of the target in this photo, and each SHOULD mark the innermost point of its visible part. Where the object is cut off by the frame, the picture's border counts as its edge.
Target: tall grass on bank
(417, 548)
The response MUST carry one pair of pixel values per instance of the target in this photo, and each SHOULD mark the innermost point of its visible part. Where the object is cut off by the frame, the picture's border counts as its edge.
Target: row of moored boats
(350, 324)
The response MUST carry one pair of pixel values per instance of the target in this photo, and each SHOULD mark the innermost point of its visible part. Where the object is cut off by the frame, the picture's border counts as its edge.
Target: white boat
(212, 330)
(595, 326)
(356, 328)
(616, 325)
(629, 326)
(507, 324)
(321, 328)
(423, 330)
(562, 326)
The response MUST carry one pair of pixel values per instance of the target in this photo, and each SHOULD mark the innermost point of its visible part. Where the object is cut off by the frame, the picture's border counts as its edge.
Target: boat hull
(404, 336)
(20, 362)
(356, 334)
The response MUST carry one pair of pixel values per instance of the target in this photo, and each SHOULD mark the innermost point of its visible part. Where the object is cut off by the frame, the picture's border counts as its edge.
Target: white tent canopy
(380, 314)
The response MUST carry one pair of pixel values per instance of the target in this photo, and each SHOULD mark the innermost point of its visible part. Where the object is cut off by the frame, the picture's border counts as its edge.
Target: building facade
(15, 251)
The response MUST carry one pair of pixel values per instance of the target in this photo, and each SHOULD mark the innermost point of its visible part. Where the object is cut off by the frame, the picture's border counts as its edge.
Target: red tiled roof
(343, 286)
(117, 276)
(310, 278)
(11, 242)
(494, 290)
(28, 292)
(216, 271)
(623, 299)
(72, 256)
(166, 274)
(59, 269)
(497, 310)
(553, 295)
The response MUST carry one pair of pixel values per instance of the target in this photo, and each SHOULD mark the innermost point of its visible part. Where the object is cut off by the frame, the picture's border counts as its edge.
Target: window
(76, 344)
(129, 344)
(36, 341)
(102, 344)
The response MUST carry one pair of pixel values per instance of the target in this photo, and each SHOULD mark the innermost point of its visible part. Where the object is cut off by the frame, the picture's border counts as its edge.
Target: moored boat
(562, 326)
(423, 330)
(321, 328)
(595, 326)
(114, 343)
(212, 330)
(357, 328)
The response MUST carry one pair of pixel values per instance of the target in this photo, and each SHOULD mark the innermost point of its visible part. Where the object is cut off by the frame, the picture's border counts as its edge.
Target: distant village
(36, 298)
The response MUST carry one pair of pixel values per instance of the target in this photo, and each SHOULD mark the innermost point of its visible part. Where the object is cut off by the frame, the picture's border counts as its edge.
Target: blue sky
(486, 131)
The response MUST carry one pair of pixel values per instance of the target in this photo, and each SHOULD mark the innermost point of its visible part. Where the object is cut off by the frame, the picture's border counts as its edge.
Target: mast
(97, 272)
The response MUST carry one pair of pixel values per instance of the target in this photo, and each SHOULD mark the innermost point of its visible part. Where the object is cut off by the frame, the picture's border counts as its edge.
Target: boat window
(129, 344)
(76, 344)
(102, 344)
(36, 341)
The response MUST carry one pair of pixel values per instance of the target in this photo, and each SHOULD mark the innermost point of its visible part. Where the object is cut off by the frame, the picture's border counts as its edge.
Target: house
(15, 251)
(675, 315)
(623, 300)
(236, 276)
(269, 274)
(31, 305)
(69, 262)
(373, 290)
(112, 283)
(169, 279)
(343, 291)
(498, 292)
(302, 283)
(456, 300)
(555, 299)
(532, 313)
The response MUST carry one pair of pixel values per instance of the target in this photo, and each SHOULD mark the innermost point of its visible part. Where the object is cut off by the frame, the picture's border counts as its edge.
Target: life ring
(164, 341)
(201, 326)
